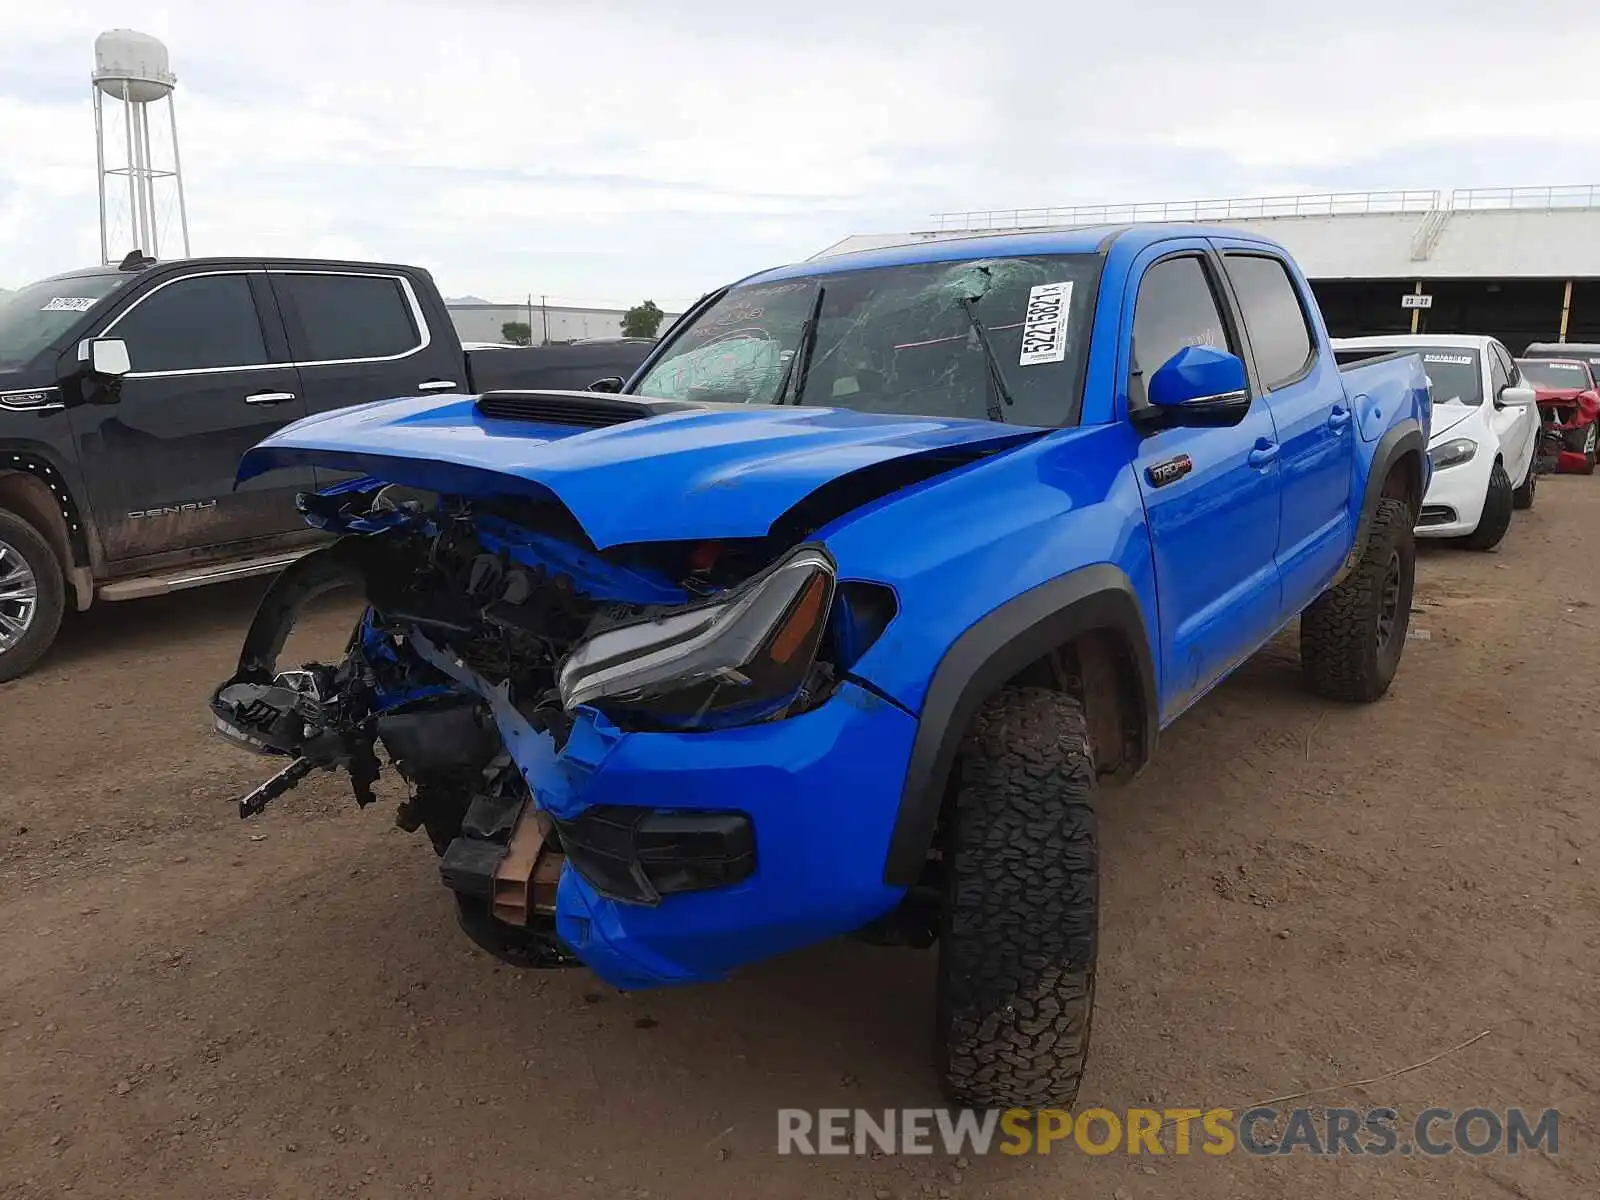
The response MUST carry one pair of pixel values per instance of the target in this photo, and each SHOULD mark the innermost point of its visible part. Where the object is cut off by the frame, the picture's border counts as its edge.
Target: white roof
(1471, 233)
(1406, 341)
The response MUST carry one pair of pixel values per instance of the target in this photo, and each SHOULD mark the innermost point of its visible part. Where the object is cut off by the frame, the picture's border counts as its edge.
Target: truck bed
(554, 368)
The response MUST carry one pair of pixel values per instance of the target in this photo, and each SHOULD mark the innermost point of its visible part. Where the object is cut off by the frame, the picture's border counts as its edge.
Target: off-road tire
(1019, 927)
(1496, 516)
(1522, 498)
(1352, 635)
(51, 600)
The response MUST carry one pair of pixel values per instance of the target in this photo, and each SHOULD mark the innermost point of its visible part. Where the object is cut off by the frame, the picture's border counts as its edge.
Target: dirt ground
(1296, 895)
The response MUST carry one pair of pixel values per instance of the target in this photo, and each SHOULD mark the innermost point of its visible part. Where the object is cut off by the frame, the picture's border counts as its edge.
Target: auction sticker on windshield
(1460, 360)
(69, 304)
(1044, 327)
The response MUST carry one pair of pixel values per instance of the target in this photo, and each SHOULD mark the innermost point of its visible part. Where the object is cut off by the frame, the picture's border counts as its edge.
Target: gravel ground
(1296, 895)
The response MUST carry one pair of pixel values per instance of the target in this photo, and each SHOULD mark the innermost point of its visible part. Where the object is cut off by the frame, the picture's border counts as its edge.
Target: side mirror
(1516, 397)
(611, 383)
(105, 357)
(1200, 385)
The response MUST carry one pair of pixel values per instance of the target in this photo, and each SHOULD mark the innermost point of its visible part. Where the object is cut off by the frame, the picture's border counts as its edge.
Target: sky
(614, 150)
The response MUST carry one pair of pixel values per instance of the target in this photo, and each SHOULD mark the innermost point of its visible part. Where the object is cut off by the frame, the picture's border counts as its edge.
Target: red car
(1569, 404)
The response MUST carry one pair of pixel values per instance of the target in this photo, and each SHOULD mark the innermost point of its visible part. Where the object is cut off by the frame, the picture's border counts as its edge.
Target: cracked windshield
(1002, 339)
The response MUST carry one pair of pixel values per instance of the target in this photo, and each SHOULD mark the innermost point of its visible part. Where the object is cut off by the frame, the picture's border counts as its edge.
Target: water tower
(132, 69)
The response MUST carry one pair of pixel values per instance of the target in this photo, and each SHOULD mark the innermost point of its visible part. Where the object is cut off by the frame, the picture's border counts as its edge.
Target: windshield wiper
(996, 378)
(800, 361)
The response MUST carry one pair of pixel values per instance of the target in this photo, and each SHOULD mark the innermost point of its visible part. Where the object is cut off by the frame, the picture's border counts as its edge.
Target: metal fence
(1572, 195)
(1405, 200)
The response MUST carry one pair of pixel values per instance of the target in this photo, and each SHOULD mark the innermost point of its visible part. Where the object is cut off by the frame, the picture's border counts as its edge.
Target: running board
(178, 581)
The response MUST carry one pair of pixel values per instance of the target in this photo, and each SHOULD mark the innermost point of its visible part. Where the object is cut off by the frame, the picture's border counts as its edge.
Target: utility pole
(530, 318)
(544, 308)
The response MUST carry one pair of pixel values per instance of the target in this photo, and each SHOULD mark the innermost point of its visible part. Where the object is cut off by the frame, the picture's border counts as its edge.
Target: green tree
(519, 333)
(642, 320)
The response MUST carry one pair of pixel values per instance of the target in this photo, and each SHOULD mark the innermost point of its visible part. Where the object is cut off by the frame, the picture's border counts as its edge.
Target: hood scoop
(584, 410)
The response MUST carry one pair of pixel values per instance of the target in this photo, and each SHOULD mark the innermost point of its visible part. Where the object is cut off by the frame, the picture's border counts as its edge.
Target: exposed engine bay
(500, 657)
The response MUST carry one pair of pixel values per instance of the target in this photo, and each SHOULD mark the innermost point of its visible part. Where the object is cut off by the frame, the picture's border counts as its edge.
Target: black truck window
(349, 316)
(1273, 318)
(205, 322)
(1176, 308)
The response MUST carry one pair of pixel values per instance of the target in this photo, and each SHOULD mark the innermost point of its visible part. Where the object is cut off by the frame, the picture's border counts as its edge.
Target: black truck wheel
(1522, 498)
(1351, 636)
(1496, 516)
(1019, 927)
(32, 595)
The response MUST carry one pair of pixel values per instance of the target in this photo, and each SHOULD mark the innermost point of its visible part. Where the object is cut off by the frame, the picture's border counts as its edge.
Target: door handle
(1266, 450)
(1339, 417)
(269, 397)
(436, 385)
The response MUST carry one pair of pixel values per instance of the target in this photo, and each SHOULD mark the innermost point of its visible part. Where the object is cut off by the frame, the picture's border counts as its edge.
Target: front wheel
(33, 595)
(1496, 516)
(1020, 922)
(1522, 498)
(1582, 441)
(1351, 636)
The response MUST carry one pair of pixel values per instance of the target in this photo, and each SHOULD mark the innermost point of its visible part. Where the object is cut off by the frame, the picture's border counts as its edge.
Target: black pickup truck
(128, 395)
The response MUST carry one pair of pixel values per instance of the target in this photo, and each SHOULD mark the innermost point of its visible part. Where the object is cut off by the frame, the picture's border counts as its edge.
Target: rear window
(349, 316)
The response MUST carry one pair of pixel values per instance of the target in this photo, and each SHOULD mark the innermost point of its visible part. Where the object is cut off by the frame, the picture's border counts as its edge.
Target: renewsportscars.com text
(1376, 1132)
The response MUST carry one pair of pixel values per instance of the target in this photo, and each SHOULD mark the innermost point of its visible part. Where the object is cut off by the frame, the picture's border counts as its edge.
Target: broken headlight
(744, 656)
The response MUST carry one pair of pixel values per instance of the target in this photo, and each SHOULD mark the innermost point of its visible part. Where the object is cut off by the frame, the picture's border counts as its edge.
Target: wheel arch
(1083, 633)
(34, 489)
(1396, 473)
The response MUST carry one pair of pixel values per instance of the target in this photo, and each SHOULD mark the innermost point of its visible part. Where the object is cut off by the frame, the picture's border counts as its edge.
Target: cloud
(619, 148)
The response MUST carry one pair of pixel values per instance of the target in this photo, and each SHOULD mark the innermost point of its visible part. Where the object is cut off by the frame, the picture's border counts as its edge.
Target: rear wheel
(1351, 636)
(1496, 516)
(32, 595)
(1020, 920)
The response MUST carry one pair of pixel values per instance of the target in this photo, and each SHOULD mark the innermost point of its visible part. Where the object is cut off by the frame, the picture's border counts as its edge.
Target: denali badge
(173, 510)
(1162, 473)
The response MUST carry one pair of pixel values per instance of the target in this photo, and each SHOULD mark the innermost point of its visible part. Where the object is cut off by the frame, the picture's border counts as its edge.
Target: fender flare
(993, 650)
(1404, 438)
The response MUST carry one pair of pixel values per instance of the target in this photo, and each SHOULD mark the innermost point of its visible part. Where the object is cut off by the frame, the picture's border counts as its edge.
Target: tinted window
(1176, 308)
(350, 316)
(1273, 318)
(207, 321)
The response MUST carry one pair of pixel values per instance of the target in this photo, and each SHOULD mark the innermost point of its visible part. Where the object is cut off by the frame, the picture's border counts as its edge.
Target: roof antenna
(137, 260)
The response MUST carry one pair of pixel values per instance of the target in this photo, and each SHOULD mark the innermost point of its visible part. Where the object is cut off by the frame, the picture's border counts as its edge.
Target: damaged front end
(586, 737)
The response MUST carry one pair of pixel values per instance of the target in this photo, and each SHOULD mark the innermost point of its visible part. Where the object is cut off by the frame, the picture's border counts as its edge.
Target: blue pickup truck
(835, 617)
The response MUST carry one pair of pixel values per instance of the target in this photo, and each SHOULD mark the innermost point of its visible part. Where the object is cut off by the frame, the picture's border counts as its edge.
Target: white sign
(1044, 327)
(1415, 301)
(68, 304)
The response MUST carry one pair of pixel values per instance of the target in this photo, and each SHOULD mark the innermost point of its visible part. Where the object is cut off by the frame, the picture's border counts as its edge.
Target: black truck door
(363, 334)
(210, 377)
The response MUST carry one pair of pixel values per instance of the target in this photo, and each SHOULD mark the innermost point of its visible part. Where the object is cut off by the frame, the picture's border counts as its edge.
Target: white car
(1485, 432)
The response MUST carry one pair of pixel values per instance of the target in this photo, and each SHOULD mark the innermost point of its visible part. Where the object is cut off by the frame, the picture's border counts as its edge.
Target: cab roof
(1085, 239)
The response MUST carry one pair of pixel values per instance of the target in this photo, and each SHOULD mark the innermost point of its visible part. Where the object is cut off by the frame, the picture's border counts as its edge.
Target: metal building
(482, 320)
(1522, 264)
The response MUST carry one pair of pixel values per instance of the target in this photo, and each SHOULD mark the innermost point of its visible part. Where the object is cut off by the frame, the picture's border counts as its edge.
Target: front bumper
(1454, 501)
(822, 791)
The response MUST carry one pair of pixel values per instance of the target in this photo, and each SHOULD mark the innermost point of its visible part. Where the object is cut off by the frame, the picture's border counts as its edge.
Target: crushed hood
(665, 472)
(1446, 417)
